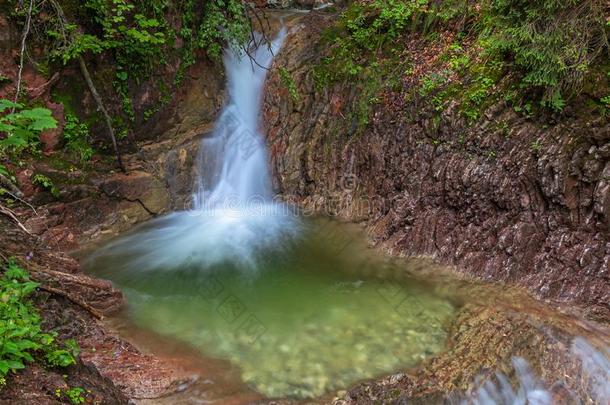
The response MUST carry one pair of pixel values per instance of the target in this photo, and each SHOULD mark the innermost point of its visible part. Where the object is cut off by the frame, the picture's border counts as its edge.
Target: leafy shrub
(362, 29)
(551, 43)
(547, 47)
(20, 129)
(224, 22)
(136, 34)
(211, 27)
(76, 136)
(288, 83)
(74, 395)
(433, 81)
(46, 183)
(21, 335)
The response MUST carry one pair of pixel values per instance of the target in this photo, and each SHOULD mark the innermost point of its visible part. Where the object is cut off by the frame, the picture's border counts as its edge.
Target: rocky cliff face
(507, 199)
(97, 202)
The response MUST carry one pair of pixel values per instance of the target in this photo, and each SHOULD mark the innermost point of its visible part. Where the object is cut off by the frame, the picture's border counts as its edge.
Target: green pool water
(311, 317)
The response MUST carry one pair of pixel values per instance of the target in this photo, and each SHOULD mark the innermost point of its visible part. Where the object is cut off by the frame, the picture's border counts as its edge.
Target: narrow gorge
(360, 202)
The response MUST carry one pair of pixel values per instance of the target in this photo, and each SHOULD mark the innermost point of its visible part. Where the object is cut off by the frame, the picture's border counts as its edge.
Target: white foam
(233, 215)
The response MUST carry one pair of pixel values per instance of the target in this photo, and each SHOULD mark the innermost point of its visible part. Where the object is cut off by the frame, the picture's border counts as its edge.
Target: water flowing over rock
(233, 214)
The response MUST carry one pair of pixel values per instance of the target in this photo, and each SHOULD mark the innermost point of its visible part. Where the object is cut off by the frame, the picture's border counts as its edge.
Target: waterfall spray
(233, 215)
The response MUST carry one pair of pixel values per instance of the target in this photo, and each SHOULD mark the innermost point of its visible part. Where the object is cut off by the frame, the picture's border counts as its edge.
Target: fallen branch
(12, 190)
(9, 213)
(100, 107)
(26, 31)
(96, 95)
(8, 184)
(21, 200)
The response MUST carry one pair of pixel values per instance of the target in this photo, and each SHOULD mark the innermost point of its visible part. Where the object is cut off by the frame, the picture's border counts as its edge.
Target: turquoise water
(310, 317)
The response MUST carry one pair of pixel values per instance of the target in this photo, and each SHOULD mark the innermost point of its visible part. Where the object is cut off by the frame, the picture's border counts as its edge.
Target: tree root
(74, 300)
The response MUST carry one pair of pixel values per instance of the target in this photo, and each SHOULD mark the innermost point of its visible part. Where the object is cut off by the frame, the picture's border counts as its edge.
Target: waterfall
(233, 163)
(233, 217)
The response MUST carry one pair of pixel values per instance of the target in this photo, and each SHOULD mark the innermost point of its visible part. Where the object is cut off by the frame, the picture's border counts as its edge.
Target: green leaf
(15, 364)
(6, 104)
(41, 119)
(14, 272)
(4, 171)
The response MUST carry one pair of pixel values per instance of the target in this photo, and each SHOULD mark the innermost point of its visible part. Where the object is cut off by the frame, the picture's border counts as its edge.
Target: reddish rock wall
(480, 196)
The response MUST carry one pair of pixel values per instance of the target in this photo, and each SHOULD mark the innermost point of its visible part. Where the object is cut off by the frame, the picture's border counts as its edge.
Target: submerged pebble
(320, 329)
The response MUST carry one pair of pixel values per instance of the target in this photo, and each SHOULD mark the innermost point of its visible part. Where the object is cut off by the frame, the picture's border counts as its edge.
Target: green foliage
(536, 145)
(224, 22)
(63, 357)
(544, 49)
(458, 60)
(72, 44)
(20, 129)
(76, 136)
(220, 23)
(433, 81)
(475, 96)
(46, 183)
(138, 38)
(135, 39)
(4, 171)
(76, 395)
(4, 79)
(367, 28)
(288, 82)
(138, 35)
(551, 43)
(21, 335)
(364, 46)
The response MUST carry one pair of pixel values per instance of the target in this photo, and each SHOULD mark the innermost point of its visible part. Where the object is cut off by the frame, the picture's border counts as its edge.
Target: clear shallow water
(297, 307)
(303, 322)
(241, 278)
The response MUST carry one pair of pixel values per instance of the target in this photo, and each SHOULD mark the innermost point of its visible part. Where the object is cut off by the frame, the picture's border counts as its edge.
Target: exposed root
(39, 91)
(74, 300)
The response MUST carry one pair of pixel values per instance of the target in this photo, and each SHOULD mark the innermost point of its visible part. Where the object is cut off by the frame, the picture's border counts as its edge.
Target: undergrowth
(534, 55)
(22, 339)
(137, 39)
(20, 127)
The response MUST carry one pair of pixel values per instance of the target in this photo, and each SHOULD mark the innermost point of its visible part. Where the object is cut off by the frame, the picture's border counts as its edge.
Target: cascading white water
(594, 365)
(233, 215)
(242, 176)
